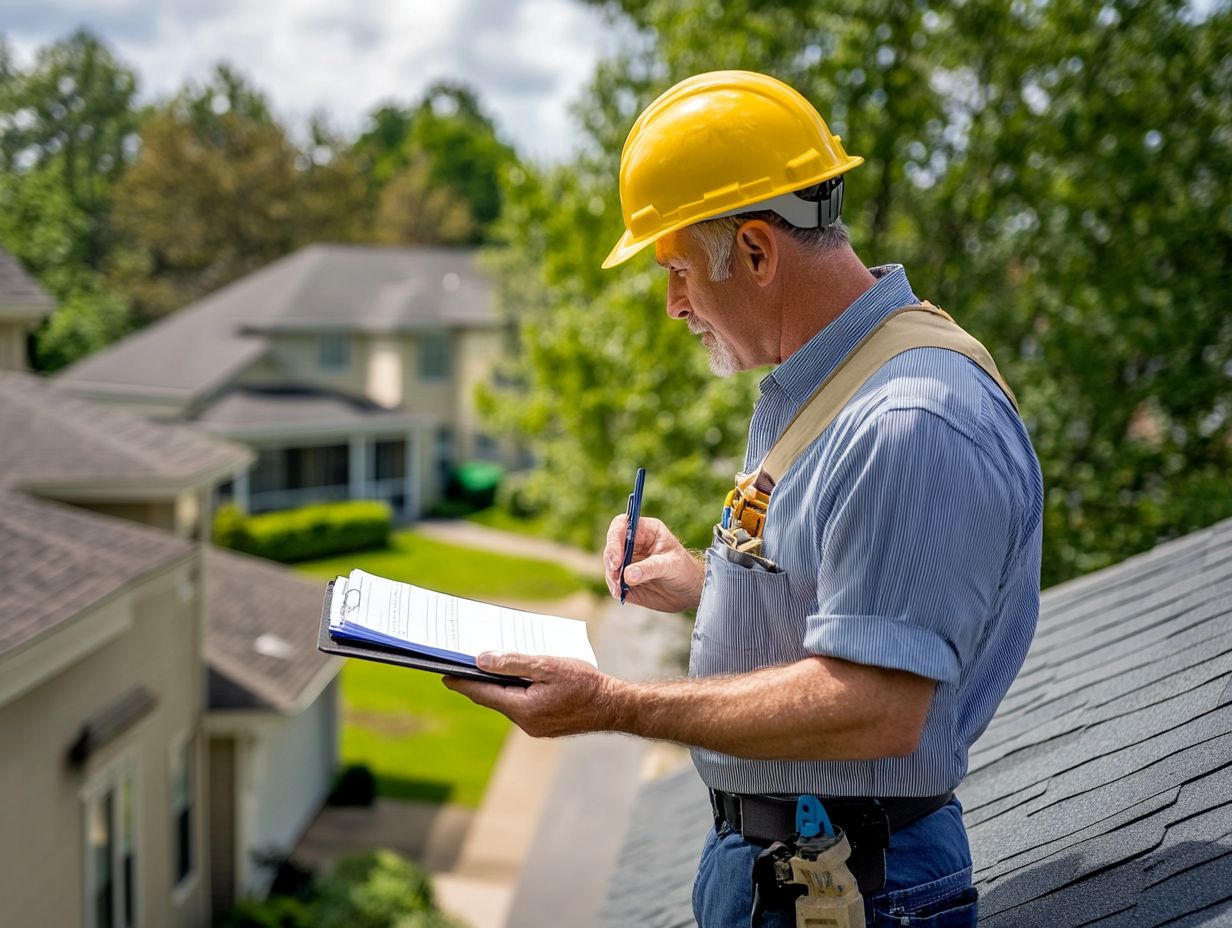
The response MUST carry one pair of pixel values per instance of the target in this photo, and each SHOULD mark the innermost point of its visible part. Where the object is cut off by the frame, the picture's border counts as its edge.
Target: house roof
(17, 288)
(59, 561)
(261, 635)
(244, 409)
(321, 288)
(1101, 793)
(55, 440)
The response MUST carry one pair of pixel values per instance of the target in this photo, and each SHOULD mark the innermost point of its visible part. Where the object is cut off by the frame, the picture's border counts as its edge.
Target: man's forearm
(815, 709)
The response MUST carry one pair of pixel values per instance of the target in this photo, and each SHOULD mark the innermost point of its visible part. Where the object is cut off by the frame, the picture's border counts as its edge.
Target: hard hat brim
(629, 244)
(626, 248)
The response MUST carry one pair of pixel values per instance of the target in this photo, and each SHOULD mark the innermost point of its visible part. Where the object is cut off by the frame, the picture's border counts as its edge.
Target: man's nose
(677, 299)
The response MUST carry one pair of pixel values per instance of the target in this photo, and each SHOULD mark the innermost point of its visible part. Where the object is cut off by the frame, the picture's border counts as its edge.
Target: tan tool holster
(916, 326)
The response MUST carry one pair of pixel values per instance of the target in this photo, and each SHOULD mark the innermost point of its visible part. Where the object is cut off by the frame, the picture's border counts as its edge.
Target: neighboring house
(272, 725)
(1101, 793)
(164, 711)
(23, 305)
(350, 370)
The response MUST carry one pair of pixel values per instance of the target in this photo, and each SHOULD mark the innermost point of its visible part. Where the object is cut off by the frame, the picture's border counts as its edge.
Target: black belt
(867, 822)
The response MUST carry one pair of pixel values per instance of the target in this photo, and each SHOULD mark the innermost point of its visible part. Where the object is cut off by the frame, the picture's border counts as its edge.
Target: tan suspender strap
(922, 326)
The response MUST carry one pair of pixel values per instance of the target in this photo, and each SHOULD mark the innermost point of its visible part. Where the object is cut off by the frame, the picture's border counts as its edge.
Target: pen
(632, 512)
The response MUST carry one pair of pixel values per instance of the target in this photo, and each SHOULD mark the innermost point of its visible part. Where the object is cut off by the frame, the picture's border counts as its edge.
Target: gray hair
(716, 237)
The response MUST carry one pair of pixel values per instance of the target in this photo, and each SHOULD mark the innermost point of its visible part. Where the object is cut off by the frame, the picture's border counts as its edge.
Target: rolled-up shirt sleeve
(915, 530)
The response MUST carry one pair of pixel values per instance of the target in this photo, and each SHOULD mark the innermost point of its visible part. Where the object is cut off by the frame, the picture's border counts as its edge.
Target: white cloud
(528, 59)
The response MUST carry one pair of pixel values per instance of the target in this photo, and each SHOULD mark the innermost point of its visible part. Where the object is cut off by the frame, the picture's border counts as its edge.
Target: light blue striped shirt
(907, 536)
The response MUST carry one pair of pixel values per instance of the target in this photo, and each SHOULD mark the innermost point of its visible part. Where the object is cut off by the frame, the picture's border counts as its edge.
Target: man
(891, 593)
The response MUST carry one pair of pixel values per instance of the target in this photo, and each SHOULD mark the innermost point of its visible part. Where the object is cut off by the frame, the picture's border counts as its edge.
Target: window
(111, 851)
(335, 352)
(181, 812)
(434, 356)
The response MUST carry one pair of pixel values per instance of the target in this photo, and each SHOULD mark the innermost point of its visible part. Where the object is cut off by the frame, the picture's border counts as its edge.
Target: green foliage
(217, 191)
(377, 889)
(1051, 173)
(435, 168)
(374, 889)
(68, 133)
(274, 912)
(604, 383)
(308, 532)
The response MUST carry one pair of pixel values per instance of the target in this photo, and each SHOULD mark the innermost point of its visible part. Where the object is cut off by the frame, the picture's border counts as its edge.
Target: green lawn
(422, 741)
(451, 569)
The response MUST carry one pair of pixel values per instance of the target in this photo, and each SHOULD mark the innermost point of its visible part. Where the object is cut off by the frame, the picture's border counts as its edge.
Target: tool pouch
(812, 877)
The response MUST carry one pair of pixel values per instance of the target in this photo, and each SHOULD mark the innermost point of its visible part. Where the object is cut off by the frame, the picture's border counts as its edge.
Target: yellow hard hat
(717, 144)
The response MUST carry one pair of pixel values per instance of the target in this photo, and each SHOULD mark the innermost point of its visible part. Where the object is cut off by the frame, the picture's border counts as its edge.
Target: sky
(528, 59)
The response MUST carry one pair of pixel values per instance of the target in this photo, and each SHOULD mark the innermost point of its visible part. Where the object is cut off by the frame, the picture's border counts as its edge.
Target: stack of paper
(388, 614)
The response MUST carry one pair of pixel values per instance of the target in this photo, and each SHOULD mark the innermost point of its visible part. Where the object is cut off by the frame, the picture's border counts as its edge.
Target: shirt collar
(813, 361)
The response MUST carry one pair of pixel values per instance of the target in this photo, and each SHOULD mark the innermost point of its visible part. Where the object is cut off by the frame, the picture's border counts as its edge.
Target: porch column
(357, 467)
(411, 477)
(239, 490)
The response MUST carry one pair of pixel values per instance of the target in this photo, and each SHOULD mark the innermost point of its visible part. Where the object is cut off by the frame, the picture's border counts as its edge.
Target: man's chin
(723, 365)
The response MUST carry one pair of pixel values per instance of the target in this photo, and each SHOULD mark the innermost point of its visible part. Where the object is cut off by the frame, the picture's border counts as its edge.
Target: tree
(1050, 172)
(435, 168)
(218, 190)
(67, 134)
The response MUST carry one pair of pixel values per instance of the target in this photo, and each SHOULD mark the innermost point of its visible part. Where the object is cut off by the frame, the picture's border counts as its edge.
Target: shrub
(274, 912)
(377, 889)
(308, 532)
(374, 889)
(355, 786)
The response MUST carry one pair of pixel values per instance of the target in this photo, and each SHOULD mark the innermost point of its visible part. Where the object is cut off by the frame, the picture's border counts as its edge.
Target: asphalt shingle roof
(1101, 793)
(53, 438)
(17, 288)
(58, 561)
(321, 288)
(261, 637)
(262, 408)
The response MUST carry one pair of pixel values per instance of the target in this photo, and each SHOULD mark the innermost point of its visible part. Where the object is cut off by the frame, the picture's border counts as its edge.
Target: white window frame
(111, 779)
(182, 889)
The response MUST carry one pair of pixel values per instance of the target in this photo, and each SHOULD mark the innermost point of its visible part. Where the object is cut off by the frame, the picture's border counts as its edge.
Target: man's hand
(663, 574)
(566, 697)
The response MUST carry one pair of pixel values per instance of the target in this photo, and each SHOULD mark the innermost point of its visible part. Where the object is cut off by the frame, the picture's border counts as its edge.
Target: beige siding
(298, 356)
(13, 345)
(477, 353)
(427, 397)
(42, 828)
(157, 514)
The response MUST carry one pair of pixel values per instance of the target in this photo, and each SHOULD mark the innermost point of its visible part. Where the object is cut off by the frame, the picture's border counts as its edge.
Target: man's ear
(757, 251)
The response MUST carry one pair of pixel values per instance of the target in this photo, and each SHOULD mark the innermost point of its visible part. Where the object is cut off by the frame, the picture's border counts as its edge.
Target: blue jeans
(928, 879)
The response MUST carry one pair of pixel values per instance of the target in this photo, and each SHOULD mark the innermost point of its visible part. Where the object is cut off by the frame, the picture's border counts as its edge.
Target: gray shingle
(320, 288)
(261, 635)
(1101, 793)
(17, 288)
(263, 408)
(53, 438)
(59, 561)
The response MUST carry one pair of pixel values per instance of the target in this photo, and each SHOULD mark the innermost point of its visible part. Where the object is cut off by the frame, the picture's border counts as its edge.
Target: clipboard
(368, 652)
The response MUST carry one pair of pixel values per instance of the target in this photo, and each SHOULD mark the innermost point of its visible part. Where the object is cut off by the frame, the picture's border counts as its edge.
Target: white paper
(441, 622)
